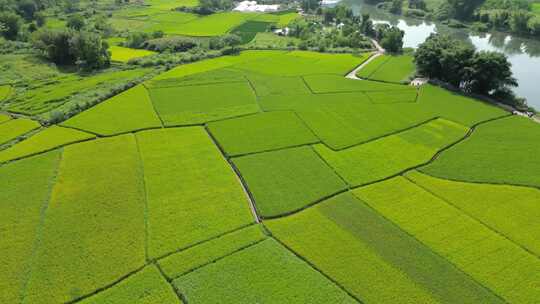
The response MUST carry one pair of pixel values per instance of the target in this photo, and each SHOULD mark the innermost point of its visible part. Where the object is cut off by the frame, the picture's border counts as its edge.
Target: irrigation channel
(524, 54)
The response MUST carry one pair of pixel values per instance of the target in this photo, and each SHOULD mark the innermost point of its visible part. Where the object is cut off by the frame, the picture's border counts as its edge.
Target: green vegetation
(70, 90)
(144, 287)
(186, 105)
(127, 111)
(271, 40)
(506, 146)
(456, 107)
(509, 210)
(389, 68)
(4, 118)
(45, 140)
(468, 244)
(14, 128)
(287, 180)
(21, 215)
(459, 64)
(363, 252)
(209, 252)
(230, 179)
(335, 84)
(123, 54)
(5, 92)
(192, 194)
(261, 132)
(249, 29)
(265, 272)
(393, 154)
(98, 197)
(214, 24)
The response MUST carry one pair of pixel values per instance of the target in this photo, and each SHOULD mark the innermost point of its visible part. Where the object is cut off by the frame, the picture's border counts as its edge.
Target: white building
(252, 6)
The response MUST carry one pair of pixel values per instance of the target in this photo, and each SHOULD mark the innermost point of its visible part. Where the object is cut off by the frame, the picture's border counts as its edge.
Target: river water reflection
(524, 54)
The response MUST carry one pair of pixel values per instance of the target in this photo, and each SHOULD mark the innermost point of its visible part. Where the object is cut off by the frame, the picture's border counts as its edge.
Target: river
(524, 54)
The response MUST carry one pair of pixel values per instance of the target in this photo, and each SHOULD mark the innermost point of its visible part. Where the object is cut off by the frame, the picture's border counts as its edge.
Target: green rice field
(123, 54)
(389, 68)
(263, 177)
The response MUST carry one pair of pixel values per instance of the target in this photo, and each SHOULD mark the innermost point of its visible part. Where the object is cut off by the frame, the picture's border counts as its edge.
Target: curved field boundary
(490, 227)
(435, 156)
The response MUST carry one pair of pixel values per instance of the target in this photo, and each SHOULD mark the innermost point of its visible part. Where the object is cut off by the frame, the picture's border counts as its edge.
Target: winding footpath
(380, 52)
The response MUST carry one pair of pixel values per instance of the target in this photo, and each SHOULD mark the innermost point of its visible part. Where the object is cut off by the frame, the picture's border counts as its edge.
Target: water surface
(524, 54)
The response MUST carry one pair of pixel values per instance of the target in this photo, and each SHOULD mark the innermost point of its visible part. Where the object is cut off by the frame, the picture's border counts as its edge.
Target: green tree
(12, 25)
(310, 5)
(392, 40)
(90, 51)
(396, 6)
(488, 72)
(463, 9)
(27, 8)
(534, 26)
(54, 45)
(417, 4)
(75, 22)
(443, 58)
(519, 21)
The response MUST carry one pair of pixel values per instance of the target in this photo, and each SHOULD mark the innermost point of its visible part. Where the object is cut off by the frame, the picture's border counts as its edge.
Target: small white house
(282, 32)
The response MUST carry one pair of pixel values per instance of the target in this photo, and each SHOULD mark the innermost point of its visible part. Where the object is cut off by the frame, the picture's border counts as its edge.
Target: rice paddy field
(37, 88)
(389, 68)
(268, 177)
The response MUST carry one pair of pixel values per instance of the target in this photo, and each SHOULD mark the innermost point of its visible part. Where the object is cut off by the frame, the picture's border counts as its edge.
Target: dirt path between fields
(380, 51)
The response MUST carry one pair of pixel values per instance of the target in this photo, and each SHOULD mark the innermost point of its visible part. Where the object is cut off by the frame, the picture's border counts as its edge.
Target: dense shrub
(173, 44)
(10, 25)
(67, 47)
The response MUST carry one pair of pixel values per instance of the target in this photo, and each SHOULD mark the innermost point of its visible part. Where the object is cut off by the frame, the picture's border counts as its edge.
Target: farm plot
(509, 210)
(506, 269)
(5, 92)
(209, 252)
(249, 29)
(389, 68)
(213, 25)
(215, 64)
(303, 63)
(171, 4)
(186, 105)
(332, 63)
(327, 83)
(455, 107)
(48, 139)
(22, 213)
(192, 193)
(98, 197)
(287, 180)
(508, 147)
(271, 40)
(223, 75)
(266, 85)
(363, 252)
(123, 54)
(144, 287)
(68, 89)
(345, 119)
(281, 19)
(393, 154)
(128, 111)
(4, 118)
(261, 132)
(14, 128)
(263, 273)
(170, 23)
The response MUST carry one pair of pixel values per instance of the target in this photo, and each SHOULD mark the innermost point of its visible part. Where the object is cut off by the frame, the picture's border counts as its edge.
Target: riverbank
(523, 54)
